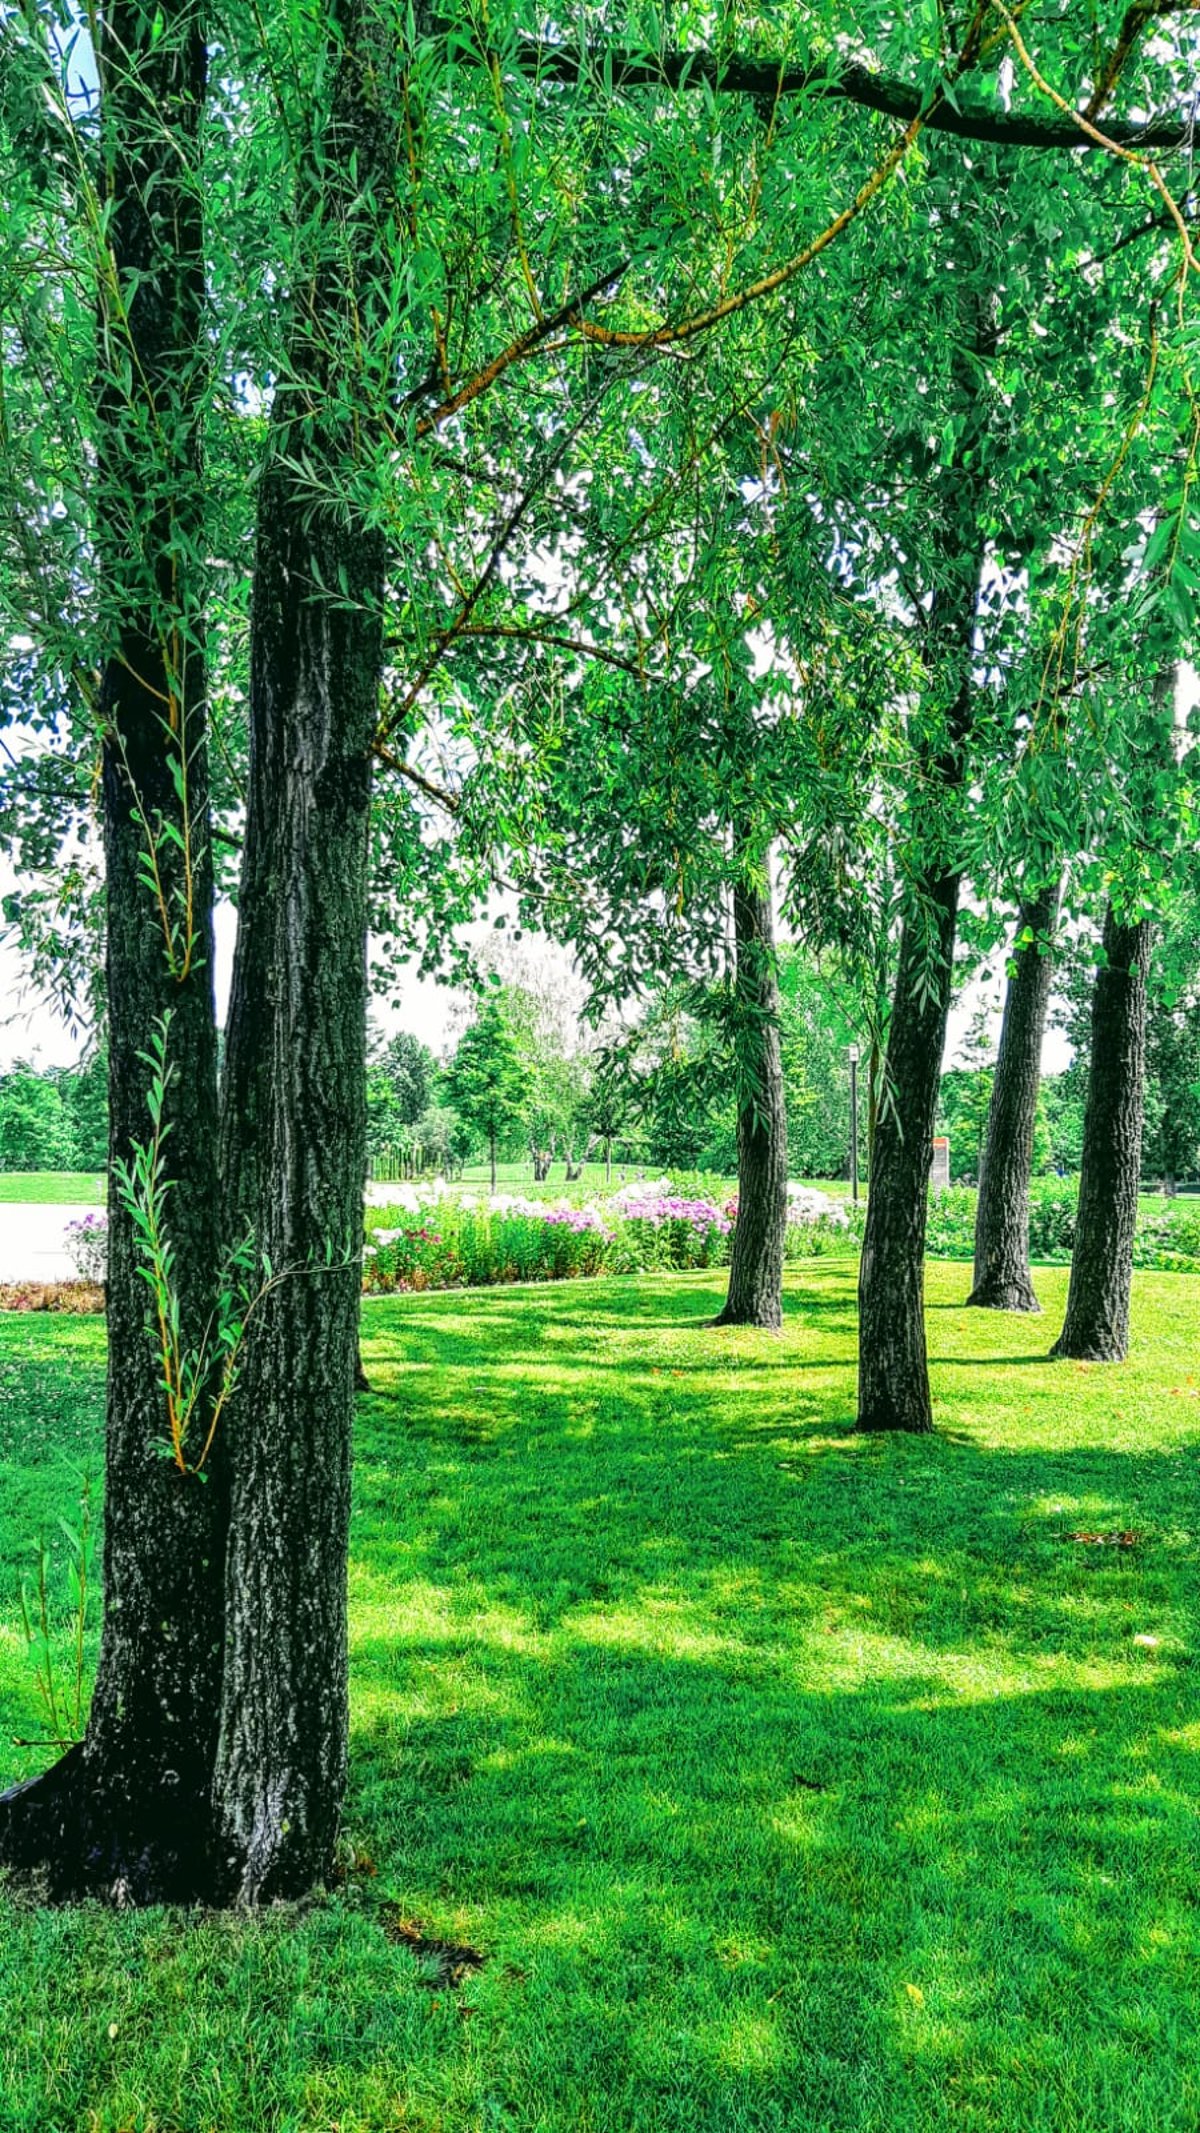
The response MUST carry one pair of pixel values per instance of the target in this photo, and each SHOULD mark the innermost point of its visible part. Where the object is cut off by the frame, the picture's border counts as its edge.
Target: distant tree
(484, 1082)
(409, 1067)
(400, 1075)
(35, 1127)
(1171, 1149)
(84, 1091)
(816, 1031)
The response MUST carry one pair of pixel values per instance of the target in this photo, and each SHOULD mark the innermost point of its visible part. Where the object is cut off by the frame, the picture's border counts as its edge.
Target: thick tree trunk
(125, 1813)
(1096, 1328)
(1002, 1280)
(294, 1131)
(893, 1372)
(755, 1295)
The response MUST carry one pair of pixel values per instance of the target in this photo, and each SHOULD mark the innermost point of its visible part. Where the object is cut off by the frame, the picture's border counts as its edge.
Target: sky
(31, 1029)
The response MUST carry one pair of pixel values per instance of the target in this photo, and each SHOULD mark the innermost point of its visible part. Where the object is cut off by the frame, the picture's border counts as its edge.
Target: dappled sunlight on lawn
(784, 1778)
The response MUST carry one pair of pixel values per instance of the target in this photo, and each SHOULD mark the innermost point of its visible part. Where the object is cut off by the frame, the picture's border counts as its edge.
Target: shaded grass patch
(784, 1778)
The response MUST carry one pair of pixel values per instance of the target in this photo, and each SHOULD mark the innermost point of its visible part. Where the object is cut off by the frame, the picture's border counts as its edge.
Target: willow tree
(1001, 1280)
(125, 1808)
(441, 263)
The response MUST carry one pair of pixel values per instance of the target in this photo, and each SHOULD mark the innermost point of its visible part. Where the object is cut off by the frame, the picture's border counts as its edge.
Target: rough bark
(125, 1813)
(893, 1372)
(755, 1296)
(294, 1103)
(1002, 1280)
(1096, 1327)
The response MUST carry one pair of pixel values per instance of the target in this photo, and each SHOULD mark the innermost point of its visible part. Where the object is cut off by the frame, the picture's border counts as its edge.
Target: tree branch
(438, 793)
(853, 84)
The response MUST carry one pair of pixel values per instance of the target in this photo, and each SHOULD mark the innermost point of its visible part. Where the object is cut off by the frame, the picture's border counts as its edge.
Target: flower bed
(472, 1241)
(468, 1240)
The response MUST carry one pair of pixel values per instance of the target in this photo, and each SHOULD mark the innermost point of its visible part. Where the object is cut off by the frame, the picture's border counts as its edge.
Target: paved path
(31, 1241)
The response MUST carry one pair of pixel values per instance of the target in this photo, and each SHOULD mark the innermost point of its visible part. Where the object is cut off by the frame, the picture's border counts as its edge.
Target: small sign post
(939, 1169)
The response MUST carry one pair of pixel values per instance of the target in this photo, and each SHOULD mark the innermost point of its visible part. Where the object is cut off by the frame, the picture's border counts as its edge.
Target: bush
(1167, 1236)
(86, 1246)
(470, 1242)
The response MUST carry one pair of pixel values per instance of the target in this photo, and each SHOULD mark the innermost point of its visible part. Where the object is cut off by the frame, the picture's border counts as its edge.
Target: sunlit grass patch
(784, 1778)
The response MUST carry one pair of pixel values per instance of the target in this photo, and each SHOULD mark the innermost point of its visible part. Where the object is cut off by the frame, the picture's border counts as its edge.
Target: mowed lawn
(784, 1779)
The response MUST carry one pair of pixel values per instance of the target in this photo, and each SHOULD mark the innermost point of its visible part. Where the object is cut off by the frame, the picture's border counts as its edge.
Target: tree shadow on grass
(878, 1883)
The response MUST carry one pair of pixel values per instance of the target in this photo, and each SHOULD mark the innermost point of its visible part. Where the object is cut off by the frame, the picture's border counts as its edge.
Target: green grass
(788, 1780)
(64, 1187)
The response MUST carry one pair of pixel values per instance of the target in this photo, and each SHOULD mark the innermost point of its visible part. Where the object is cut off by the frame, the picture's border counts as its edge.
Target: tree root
(75, 1838)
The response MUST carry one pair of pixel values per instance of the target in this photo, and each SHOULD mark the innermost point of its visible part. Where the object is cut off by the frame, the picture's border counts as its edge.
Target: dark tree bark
(893, 1371)
(755, 1295)
(1096, 1328)
(125, 1813)
(1002, 1281)
(294, 1103)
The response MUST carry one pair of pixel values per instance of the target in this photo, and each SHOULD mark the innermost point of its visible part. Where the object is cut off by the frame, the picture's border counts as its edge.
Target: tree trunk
(1002, 1281)
(1096, 1328)
(294, 1113)
(492, 1150)
(125, 1813)
(755, 1295)
(893, 1372)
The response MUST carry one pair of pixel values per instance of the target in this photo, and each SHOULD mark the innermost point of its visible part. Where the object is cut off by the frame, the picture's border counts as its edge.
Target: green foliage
(484, 1082)
(55, 1118)
(35, 1125)
(1167, 1234)
(196, 1379)
(400, 1081)
(64, 1701)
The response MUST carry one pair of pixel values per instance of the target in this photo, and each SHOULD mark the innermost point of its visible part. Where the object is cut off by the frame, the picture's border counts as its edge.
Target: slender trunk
(125, 1812)
(874, 1069)
(893, 1372)
(1002, 1279)
(492, 1151)
(1096, 1328)
(755, 1295)
(294, 1116)
(893, 1369)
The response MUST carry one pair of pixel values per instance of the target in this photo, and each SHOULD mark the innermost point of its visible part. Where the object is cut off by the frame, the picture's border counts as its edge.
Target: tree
(399, 1084)
(35, 1129)
(127, 1809)
(293, 1114)
(484, 1082)
(1096, 1327)
(407, 1065)
(1002, 1216)
(392, 303)
(755, 1295)
(893, 1378)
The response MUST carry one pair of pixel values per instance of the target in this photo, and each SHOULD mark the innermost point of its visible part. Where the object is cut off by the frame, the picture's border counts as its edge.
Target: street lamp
(854, 1123)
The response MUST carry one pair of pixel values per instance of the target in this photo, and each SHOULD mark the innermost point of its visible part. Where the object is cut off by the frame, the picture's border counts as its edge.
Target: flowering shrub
(478, 1241)
(86, 1245)
(445, 1239)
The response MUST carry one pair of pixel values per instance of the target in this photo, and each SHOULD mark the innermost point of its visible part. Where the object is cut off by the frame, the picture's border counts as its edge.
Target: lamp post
(854, 1123)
